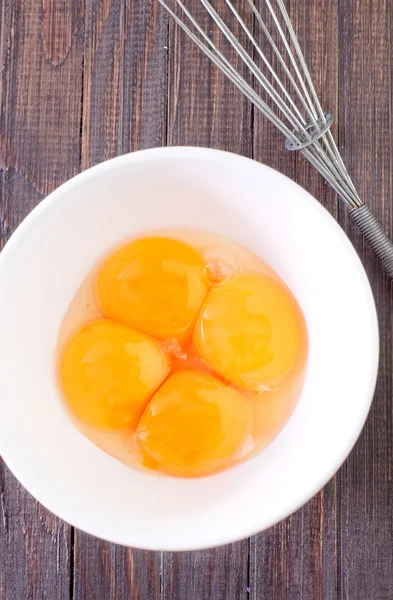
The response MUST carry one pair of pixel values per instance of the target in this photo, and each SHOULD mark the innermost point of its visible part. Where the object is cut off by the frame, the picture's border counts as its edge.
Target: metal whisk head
(282, 88)
(279, 84)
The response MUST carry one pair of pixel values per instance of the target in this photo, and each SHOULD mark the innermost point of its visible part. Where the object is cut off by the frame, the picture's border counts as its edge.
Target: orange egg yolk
(195, 425)
(109, 372)
(156, 285)
(249, 332)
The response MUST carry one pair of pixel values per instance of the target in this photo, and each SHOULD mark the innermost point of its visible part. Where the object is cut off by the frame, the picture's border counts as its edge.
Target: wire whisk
(278, 82)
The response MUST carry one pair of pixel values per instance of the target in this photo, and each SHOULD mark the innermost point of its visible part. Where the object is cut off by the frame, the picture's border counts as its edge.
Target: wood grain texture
(35, 547)
(219, 574)
(106, 571)
(125, 78)
(365, 113)
(85, 80)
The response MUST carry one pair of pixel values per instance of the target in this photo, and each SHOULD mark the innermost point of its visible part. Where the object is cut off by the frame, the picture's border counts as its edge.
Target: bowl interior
(48, 258)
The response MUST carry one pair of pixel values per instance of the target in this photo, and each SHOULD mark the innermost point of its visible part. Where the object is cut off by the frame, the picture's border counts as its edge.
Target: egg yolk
(249, 332)
(195, 425)
(108, 373)
(156, 285)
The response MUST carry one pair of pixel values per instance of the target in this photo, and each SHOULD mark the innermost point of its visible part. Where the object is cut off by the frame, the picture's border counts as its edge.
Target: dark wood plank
(204, 109)
(41, 49)
(216, 574)
(125, 78)
(41, 59)
(124, 109)
(366, 532)
(109, 571)
(298, 558)
(35, 547)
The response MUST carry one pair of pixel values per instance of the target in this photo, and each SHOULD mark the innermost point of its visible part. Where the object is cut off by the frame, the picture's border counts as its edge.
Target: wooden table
(84, 80)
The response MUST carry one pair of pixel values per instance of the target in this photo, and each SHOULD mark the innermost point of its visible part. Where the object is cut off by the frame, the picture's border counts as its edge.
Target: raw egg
(195, 425)
(182, 355)
(249, 332)
(109, 372)
(156, 285)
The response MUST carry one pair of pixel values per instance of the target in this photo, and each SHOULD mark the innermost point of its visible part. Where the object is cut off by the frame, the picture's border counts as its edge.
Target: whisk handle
(375, 235)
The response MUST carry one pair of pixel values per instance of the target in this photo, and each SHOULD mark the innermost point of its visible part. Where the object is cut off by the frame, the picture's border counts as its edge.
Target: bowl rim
(58, 195)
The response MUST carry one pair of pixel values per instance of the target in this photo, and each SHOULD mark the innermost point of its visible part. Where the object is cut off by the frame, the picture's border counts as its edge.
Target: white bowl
(49, 256)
